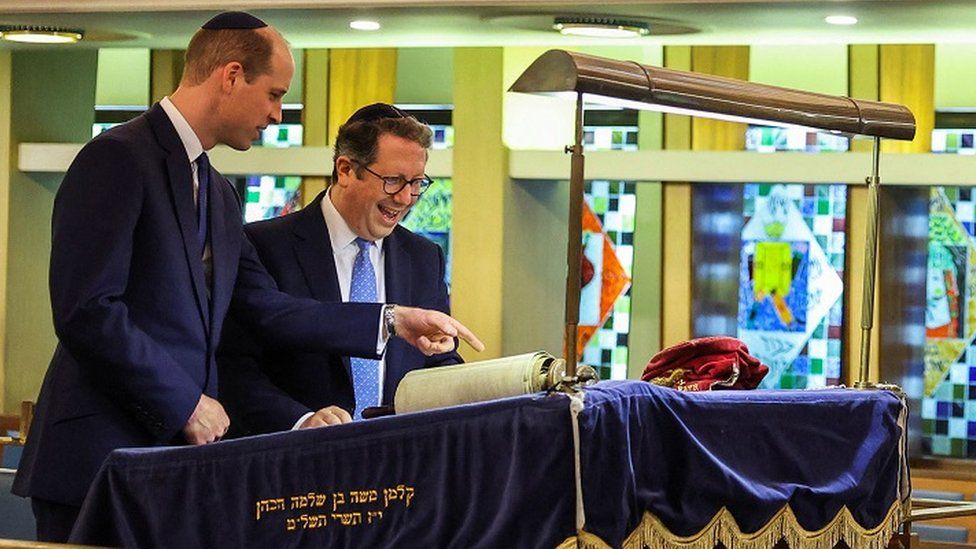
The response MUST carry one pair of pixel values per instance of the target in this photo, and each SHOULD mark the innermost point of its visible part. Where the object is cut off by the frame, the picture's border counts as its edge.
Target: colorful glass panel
(791, 274)
(431, 217)
(948, 408)
(614, 205)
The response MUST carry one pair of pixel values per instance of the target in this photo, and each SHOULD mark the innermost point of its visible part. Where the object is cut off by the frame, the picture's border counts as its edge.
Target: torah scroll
(478, 381)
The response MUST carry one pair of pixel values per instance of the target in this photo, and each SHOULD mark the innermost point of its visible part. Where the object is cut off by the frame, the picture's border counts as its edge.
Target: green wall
(817, 68)
(955, 76)
(53, 101)
(425, 76)
(123, 77)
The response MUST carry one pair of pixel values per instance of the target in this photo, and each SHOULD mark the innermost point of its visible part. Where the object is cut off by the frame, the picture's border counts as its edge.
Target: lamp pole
(870, 265)
(574, 247)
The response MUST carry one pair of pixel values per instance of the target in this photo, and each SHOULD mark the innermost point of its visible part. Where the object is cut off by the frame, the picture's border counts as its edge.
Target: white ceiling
(148, 23)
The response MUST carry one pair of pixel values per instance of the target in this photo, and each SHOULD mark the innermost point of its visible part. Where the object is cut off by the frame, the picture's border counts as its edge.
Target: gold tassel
(783, 526)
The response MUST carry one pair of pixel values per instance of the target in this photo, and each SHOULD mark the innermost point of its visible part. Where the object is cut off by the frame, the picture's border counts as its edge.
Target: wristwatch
(389, 320)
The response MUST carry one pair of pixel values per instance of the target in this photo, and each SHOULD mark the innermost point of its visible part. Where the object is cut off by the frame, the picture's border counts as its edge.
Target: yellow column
(480, 188)
(708, 134)
(315, 113)
(908, 78)
(676, 227)
(358, 77)
(648, 271)
(166, 69)
(6, 157)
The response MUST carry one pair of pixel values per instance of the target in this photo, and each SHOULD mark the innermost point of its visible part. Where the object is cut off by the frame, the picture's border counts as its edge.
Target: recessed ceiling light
(600, 27)
(841, 20)
(40, 35)
(364, 25)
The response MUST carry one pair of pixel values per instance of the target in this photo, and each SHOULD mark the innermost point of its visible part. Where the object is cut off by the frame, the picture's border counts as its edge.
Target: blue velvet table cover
(682, 457)
(502, 474)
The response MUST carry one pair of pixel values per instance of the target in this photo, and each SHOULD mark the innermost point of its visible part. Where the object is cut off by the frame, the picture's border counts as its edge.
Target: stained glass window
(608, 249)
(431, 217)
(791, 273)
(267, 196)
(948, 406)
(948, 403)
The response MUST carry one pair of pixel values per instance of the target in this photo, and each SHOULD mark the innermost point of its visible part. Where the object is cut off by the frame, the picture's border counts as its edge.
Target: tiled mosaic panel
(610, 138)
(443, 136)
(772, 139)
(268, 196)
(948, 408)
(615, 204)
(431, 217)
(824, 209)
(954, 141)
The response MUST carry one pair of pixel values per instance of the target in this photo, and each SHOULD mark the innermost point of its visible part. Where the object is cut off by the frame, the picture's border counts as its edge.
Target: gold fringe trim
(783, 526)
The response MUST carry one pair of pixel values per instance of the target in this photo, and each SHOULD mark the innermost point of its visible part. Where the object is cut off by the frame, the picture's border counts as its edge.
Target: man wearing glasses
(347, 245)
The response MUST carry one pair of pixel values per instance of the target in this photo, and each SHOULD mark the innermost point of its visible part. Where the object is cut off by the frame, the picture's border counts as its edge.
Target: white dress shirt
(344, 252)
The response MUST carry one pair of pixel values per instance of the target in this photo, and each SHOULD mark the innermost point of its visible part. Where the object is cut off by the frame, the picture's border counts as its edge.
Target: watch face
(389, 320)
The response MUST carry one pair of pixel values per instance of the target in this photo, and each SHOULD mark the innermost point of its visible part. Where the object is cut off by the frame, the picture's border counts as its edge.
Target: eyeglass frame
(401, 181)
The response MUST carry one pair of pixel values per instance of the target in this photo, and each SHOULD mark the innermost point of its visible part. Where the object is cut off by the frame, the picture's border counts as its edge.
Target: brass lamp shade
(654, 88)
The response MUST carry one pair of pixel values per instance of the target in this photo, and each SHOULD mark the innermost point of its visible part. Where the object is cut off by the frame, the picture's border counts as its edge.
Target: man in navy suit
(148, 255)
(380, 157)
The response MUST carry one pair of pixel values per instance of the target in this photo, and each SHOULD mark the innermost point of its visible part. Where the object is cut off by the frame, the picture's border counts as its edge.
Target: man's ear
(345, 170)
(231, 74)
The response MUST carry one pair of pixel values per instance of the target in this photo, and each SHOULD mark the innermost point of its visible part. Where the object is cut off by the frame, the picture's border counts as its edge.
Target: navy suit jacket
(137, 325)
(268, 388)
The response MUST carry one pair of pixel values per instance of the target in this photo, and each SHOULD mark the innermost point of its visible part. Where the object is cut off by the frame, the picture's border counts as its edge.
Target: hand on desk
(330, 415)
(432, 332)
(207, 423)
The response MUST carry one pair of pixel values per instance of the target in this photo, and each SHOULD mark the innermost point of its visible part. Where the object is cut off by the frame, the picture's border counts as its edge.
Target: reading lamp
(601, 81)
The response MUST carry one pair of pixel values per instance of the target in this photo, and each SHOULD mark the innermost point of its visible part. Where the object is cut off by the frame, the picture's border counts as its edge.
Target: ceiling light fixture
(364, 25)
(601, 27)
(40, 35)
(840, 20)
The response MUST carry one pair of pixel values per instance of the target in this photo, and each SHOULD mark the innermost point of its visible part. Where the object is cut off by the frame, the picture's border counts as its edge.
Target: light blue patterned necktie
(365, 371)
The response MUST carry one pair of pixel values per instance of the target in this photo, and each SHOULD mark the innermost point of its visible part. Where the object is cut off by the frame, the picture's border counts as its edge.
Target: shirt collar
(340, 234)
(189, 138)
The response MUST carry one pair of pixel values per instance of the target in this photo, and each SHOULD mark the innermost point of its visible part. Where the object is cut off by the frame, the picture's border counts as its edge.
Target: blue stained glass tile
(943, 409)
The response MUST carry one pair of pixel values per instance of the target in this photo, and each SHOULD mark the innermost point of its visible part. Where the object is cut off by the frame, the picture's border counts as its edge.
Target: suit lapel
(396, 267)
(181, 192)
(396, 275)
(313, 249)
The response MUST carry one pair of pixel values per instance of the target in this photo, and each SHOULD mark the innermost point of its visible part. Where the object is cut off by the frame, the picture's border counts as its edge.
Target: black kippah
(376, 111)
(234, 20)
